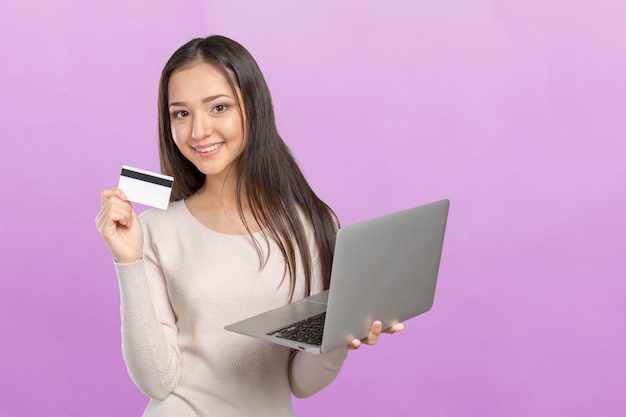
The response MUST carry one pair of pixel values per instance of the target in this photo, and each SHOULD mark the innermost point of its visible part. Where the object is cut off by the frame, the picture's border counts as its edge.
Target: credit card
(145, 187)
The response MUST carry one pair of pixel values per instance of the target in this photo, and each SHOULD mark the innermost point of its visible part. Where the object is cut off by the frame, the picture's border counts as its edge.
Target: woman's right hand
(119, 225)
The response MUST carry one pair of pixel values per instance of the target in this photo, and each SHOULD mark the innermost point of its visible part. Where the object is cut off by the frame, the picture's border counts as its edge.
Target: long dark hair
(275, 188)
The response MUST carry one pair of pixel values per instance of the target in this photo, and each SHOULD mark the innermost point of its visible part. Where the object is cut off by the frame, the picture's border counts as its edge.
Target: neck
(215, 205)
(223, 188)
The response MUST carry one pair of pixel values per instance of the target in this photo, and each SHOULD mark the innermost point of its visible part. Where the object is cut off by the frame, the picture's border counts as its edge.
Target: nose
(202, 126)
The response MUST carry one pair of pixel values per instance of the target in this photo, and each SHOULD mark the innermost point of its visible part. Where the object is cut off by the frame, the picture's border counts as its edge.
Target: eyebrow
(204, 100)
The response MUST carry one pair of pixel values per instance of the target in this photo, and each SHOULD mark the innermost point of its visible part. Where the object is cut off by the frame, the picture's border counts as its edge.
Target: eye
(180, 114)
(219, 108)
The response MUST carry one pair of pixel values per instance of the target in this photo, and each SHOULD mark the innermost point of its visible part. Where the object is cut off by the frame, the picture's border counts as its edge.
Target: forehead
(197, 80)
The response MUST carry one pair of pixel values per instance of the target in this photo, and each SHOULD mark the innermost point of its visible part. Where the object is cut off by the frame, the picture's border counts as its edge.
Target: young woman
(243, 233)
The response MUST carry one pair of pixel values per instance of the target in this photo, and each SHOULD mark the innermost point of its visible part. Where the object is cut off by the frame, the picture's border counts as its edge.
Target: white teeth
(209, 148)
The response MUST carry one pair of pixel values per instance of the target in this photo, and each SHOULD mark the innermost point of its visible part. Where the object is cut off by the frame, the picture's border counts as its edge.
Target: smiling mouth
(209, 148)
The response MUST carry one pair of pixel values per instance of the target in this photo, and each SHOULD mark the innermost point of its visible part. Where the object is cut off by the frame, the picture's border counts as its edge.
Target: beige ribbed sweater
(175, 303)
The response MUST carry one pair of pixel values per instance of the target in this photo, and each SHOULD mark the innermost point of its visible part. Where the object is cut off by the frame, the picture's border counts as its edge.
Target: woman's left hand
(375, 332)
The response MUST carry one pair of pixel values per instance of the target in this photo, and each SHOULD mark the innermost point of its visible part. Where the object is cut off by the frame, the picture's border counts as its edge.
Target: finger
(374, 334)
(355, 344)
(120, 214)
(398, 327)
(112, 192)
(114, 212)
(375, 331)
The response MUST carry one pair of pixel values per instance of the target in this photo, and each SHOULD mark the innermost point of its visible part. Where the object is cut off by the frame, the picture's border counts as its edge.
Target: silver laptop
(383, 269)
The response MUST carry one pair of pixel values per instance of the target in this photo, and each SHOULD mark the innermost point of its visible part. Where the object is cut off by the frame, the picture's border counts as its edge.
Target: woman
(243, 233)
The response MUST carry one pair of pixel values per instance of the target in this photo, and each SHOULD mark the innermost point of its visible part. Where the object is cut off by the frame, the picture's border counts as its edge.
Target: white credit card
(145, 187)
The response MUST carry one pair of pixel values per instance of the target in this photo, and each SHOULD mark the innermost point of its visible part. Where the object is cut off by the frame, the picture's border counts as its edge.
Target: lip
(208, 150)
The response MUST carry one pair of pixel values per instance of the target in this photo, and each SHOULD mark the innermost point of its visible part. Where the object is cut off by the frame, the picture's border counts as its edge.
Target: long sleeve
(175, 303)
(148, 331)
(309, 373)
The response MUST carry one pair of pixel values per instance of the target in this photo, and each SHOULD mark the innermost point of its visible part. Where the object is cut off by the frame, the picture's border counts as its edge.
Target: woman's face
(205, 120)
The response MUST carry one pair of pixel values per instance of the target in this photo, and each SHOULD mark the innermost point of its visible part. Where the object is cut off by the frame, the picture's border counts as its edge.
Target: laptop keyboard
(306, 331)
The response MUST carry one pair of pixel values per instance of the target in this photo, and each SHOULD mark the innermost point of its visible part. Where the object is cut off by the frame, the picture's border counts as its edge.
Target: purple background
(513, 110)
